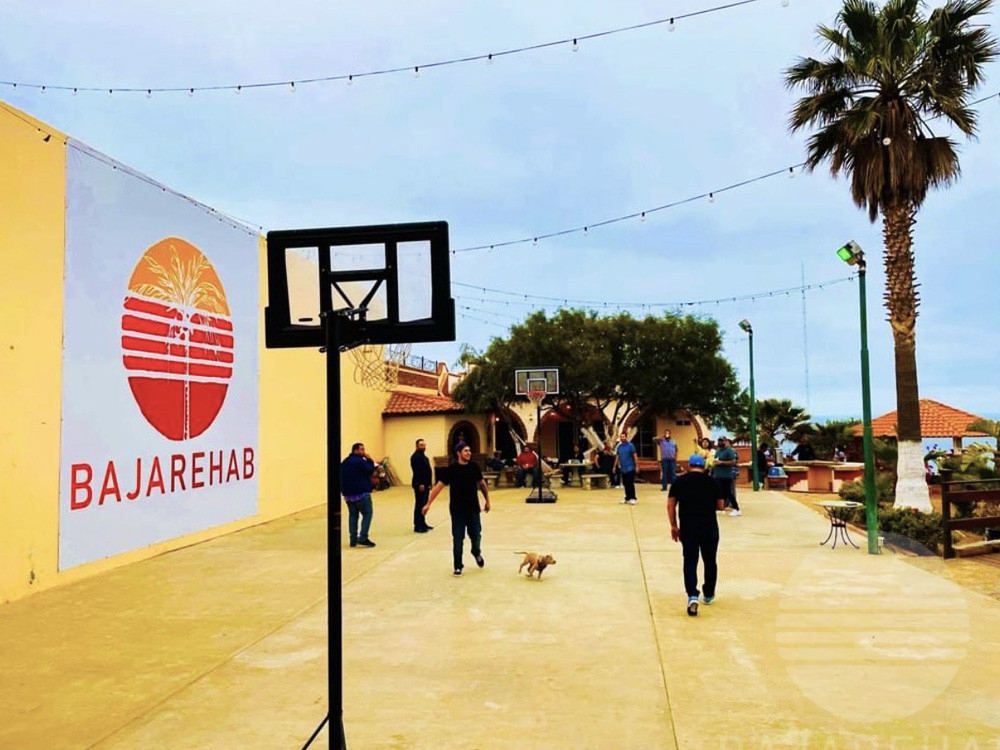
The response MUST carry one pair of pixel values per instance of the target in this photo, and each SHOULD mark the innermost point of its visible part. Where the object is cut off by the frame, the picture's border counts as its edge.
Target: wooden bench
(492, 478)
(589, 480)
(964, 494)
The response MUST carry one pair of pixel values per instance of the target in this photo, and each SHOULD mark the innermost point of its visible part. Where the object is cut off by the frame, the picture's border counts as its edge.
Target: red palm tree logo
(177, 339)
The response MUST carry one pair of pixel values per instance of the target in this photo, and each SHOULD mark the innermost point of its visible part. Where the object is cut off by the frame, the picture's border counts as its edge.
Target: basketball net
(535, 397)
(377, 367)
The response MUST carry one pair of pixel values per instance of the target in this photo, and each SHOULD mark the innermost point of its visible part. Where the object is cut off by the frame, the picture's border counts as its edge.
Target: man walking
(725, 469)
(356, 486)
(420, 465)
(694, 525)
(668, 460)
(625, 462)
(466, 481)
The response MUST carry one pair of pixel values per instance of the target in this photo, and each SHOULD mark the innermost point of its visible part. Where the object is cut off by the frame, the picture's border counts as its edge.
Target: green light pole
(852, 254)
(745, 325)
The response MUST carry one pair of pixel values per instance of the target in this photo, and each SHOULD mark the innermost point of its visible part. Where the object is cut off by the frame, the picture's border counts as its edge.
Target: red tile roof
(936, 420)
(401, 402)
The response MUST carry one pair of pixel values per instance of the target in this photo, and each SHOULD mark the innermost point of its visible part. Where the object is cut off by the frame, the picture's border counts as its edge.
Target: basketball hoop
(377, 367)
(535, 396)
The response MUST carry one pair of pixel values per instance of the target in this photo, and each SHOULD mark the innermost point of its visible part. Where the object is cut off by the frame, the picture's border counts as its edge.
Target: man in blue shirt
(668, 459)
(625, 462)
(356, 487)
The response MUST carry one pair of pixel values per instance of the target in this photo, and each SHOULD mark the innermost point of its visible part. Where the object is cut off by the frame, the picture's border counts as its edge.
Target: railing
(420, 363)
(963, 493)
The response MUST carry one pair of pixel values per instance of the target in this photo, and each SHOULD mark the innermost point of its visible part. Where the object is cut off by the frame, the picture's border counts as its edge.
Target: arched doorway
(464, 432)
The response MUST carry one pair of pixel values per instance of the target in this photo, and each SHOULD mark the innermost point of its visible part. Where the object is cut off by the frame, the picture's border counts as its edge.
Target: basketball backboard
(388, 283)
(528, 381)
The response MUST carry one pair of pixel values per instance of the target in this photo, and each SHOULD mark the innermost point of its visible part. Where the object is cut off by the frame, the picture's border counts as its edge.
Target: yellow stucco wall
(32, 193)
(292, 437)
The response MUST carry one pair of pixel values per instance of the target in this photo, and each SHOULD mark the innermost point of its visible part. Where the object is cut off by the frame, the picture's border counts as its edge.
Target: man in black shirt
(699, 497)
(804, 451)
(420, 465)
(466, 481)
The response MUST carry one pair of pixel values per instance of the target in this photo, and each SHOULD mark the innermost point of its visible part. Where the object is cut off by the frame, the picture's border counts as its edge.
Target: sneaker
(480, 561)
(632, 501)
(708, 599)
(692, 606)
(457, 573)
(354, 544)
(735, 513)
(624, 500)
(366, 543)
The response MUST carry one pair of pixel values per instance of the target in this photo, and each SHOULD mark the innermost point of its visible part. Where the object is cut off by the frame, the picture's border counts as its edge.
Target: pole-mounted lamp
(745, 325)
(853, 255)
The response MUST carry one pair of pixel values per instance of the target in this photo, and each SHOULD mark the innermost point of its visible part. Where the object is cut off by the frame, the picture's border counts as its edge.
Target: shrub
(885, 490)
(910, 529)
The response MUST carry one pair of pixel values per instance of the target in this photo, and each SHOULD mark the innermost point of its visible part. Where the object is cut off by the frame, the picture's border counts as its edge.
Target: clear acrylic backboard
(388, 284)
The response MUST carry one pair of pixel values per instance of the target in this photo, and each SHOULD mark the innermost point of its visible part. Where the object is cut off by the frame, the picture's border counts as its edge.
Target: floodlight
(851, 253)
(745, 325)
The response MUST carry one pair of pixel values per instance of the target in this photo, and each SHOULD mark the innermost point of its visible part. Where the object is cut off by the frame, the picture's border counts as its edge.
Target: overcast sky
(536, 143)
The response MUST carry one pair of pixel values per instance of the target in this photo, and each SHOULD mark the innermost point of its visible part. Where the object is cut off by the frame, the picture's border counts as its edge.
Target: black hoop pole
(335, 622)
(541, 461)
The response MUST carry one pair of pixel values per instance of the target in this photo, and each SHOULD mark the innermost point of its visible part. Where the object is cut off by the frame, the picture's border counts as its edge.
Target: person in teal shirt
(724, 471)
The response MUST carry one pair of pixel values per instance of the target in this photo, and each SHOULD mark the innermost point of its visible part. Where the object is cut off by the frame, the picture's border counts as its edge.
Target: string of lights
(489, 57)
(585, 229)
(536, 300)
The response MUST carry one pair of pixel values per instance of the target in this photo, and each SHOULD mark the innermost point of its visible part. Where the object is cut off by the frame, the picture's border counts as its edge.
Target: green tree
(827, 436)
(891, 71)
(777, 419)
(618, 364)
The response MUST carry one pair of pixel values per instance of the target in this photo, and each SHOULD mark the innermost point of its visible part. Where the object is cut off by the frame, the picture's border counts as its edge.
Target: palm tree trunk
(902, 300)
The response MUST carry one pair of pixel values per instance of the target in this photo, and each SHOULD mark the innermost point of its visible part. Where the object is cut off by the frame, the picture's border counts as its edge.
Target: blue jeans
(668, 467)
(460, 525)
(362, 507)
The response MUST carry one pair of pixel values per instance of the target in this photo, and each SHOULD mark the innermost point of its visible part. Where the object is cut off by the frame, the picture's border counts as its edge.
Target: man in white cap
(699, 497)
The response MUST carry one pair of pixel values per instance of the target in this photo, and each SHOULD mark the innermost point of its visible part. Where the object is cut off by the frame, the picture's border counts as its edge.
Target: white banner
(159, 379)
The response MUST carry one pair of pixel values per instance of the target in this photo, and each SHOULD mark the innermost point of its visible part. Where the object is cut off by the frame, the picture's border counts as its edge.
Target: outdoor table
(575, 469)
(836, 511)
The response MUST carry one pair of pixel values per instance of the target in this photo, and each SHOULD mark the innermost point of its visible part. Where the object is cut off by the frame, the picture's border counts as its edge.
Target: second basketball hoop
(536, 384)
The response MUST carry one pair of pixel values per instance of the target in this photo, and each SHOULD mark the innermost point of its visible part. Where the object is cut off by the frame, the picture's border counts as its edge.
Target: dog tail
(521, 553)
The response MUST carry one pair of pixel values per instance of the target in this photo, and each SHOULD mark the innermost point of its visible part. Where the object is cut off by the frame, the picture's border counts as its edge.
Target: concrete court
(223, 644)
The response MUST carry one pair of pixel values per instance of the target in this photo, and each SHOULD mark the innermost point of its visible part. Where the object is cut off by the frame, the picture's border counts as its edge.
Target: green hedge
(920, 533)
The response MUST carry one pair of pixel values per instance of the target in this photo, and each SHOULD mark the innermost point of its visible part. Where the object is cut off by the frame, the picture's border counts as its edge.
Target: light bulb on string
(791, 173)
(239, 90)
(350, 80)
(534, 241)
(489, 59)
(41, 90)
(291, 85)
(671, 26)
(576, 46)
(149, 93)
(190, 92)
(75, 91)
(416, 71)
(642, 218)
(111, 92)
(711, 197)
(586, 231)
(784, 3)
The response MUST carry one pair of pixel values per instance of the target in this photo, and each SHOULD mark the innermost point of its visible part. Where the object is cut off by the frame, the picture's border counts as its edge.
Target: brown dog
(534, 561)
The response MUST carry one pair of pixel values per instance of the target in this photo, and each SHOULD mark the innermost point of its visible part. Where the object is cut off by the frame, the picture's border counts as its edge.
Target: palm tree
(891, 71)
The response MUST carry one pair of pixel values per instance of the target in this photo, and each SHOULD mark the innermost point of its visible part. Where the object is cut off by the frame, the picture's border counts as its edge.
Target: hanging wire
(413, 68)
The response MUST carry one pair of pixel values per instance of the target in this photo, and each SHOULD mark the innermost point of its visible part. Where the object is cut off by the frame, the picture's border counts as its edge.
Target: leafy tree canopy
(658, 365)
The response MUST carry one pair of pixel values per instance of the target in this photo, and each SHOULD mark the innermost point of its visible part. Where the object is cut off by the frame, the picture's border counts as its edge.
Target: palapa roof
(402, 402)
(936, 420)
